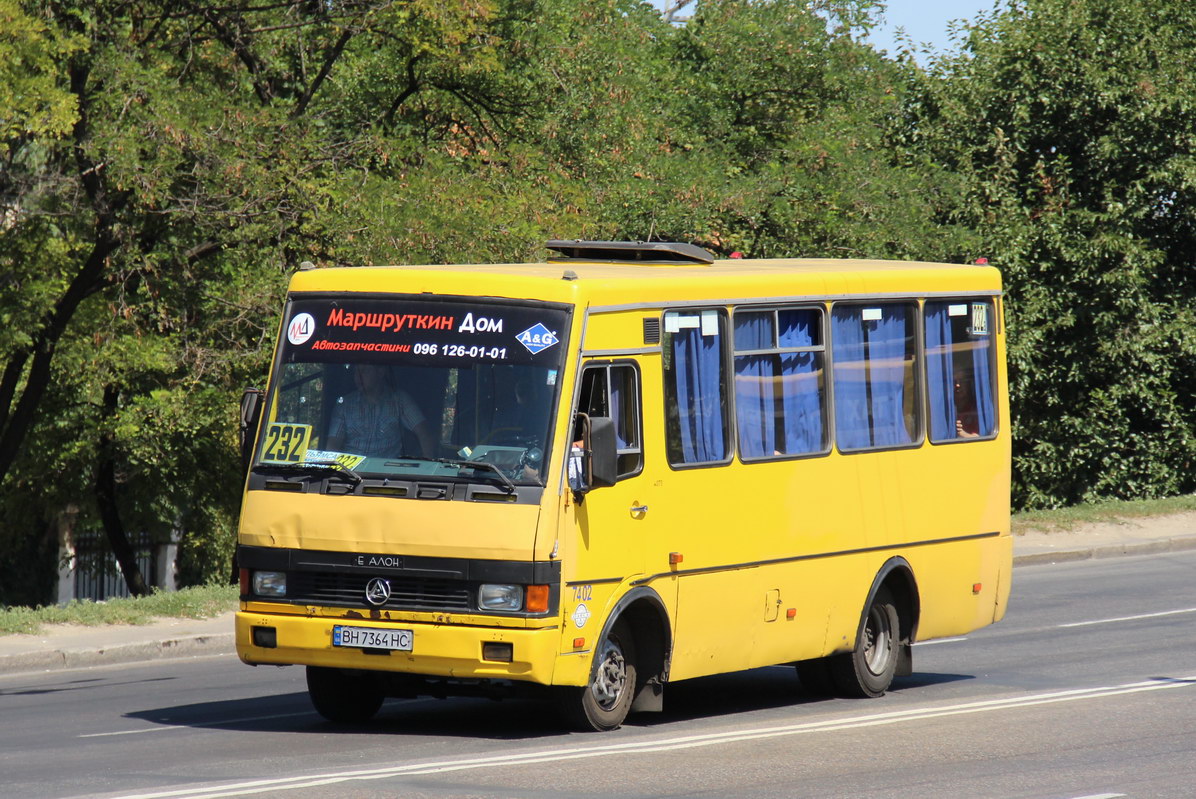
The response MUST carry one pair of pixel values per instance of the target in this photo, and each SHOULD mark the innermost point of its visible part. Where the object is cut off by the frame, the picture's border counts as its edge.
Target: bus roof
(623, 283)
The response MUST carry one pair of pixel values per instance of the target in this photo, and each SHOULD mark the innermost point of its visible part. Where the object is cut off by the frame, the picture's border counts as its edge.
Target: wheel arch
(645, 614)
(898, 577)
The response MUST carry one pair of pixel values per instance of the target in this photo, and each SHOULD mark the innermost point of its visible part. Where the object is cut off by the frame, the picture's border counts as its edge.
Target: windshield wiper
(506, 482)
(309, 470)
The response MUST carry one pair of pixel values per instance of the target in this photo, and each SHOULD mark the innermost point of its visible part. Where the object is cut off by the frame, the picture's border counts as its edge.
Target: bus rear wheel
(867, 671)
(343, 696)
(604, 702)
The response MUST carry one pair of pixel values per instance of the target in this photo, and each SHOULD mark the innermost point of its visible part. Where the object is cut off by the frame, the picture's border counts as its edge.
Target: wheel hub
(611, 678)
(878, 641)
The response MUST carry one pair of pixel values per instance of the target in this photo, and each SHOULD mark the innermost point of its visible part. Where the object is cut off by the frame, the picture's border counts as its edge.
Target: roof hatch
(658, 252)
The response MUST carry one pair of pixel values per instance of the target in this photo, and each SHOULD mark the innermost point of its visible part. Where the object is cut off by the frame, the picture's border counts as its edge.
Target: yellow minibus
(629, 465)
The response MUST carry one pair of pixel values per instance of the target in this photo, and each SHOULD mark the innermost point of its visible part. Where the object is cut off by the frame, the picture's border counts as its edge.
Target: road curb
(1177, 544)
(181, 646)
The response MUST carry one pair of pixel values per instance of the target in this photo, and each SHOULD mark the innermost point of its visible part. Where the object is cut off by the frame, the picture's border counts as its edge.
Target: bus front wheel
(867, 671)
(604, 702)
(342, 696)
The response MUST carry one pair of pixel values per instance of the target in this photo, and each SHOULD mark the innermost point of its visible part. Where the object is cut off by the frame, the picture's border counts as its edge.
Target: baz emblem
(377, 591)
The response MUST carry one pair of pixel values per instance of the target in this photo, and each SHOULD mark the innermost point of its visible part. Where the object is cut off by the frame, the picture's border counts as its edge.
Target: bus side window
(959, 370)
(613, 391)
(873, 349)
(695, 387)
(780, 393)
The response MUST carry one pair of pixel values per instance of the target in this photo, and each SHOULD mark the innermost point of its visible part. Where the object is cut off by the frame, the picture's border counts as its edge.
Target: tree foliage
(1071, 124)
(163, 166)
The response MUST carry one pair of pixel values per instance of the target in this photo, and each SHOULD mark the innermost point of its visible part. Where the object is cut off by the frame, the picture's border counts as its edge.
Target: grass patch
(1063, 519)
(201, 602)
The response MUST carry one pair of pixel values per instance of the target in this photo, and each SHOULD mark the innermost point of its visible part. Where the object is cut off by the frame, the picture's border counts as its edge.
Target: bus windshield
(409, 387)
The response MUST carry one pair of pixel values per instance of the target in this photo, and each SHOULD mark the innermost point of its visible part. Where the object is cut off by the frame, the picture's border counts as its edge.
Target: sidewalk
(1107, 540)
(70, 646)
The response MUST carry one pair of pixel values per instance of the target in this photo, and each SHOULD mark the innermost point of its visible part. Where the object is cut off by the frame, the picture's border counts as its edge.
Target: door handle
(639, 509)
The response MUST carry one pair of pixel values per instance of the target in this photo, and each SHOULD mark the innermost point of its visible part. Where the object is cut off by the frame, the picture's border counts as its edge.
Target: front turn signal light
(537, 599)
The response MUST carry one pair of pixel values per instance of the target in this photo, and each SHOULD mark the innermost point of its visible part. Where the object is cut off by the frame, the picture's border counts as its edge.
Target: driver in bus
(371, 420)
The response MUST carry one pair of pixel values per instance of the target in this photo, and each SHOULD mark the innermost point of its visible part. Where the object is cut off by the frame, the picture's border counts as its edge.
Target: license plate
(372, 638)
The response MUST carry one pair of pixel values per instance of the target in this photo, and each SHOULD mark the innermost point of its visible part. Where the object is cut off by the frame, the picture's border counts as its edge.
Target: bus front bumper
(437, 650)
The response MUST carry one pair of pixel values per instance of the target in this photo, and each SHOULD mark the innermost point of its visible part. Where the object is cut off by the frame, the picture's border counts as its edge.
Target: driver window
(612, 390)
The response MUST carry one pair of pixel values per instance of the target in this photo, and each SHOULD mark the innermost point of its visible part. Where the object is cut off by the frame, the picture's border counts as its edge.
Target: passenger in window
(576, 465)
(577, 455)
(967, 418)
(371, 420)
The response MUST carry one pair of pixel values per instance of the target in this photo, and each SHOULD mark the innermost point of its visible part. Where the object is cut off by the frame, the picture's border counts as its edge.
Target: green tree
(32, 102)
(165, 165)
(1071, 124)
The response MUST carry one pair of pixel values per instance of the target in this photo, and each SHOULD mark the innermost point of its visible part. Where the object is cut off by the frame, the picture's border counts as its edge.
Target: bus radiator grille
(328, 588)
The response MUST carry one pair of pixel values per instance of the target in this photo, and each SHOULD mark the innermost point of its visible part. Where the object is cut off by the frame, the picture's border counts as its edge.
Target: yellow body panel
(494, 531)
(775, 559)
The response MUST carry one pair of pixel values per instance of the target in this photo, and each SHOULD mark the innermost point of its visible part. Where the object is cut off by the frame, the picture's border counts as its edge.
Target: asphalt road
(1086, 689)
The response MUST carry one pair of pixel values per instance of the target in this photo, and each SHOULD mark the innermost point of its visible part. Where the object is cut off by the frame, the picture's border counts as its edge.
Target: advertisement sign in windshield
(419, 331)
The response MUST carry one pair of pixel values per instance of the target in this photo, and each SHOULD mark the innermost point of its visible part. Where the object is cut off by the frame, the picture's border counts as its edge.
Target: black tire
(604, 702)
(344, 697)
(815, 676)
(867, 671)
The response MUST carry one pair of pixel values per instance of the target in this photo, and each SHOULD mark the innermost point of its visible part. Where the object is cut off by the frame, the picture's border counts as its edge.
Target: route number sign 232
(286, 443)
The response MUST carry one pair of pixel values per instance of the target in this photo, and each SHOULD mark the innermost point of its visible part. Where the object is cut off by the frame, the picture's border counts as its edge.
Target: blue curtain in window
(986, 414)
(870, 392)
(887, 350)
(851, 393)
(946, 359)
(754, 396)
(696, 362)
(939, 372)
(801, 398)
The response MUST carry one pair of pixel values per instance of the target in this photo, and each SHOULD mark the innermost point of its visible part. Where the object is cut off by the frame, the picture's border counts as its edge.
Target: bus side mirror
(593, 459)
(251, 414)
(604, 453)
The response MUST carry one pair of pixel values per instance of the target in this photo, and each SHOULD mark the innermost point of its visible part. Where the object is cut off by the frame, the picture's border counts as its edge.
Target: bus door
(613, 524)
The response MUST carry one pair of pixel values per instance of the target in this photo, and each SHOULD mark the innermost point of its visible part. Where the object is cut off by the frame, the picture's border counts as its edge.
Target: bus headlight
(270, 583)
(500, 597)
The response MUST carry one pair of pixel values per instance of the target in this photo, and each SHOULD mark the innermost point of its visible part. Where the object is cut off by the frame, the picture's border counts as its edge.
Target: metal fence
(97, 574)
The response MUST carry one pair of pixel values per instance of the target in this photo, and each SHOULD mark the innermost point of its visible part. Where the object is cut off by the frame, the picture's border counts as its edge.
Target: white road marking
(662, 745)
(957, 639)
(222, 722)
(1073, 624)
(1130, 618)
